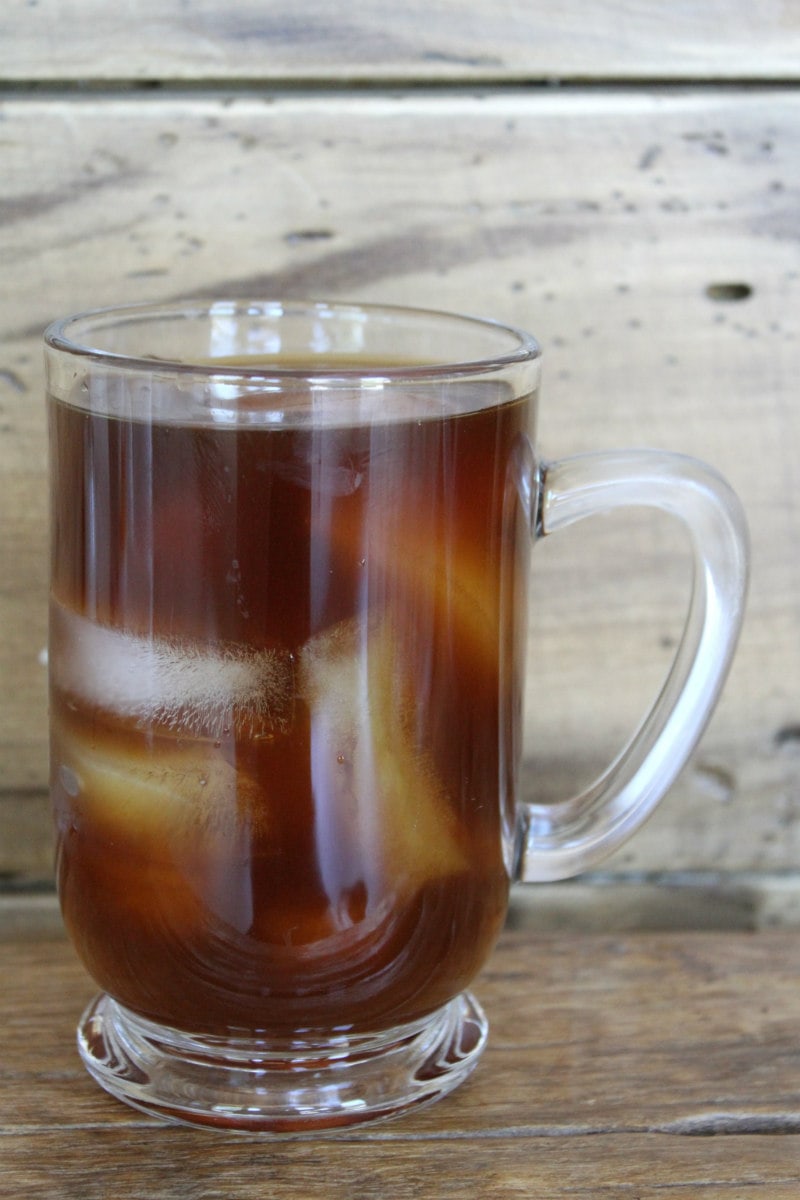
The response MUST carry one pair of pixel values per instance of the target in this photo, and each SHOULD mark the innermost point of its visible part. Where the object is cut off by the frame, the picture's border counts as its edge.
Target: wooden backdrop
(622, 178)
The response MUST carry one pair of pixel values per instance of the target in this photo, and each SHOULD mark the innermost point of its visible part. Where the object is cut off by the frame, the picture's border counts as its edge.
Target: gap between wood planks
(704, 1125)
(381, 86)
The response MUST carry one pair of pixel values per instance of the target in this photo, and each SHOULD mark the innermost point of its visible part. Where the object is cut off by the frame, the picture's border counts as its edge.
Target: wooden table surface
(633, 1066)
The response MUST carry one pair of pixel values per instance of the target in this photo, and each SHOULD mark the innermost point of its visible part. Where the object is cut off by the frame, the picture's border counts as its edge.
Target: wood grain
(174, 1165)
(619, 225)
(629, 1065)
(450, 40)
(650, 236)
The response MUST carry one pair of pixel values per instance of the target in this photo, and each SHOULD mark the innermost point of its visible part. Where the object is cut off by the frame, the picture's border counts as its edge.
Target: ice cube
(425, 570)
(379, 799)
(325, 468)
(183, 686)
(190, 790)
(178, 826)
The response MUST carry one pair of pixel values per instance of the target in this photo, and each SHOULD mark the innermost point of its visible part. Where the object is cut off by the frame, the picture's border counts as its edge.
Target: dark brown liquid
(285, 673)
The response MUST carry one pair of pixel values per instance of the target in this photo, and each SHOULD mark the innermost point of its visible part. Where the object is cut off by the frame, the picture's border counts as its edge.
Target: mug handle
(561, 839)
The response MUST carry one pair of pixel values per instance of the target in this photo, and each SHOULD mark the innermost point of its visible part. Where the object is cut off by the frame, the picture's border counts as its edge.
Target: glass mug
(290, 551)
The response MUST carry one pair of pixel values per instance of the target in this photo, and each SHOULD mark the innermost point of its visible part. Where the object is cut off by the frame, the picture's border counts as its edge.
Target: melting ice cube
(189, 688)
(379, 799)
(193, 788)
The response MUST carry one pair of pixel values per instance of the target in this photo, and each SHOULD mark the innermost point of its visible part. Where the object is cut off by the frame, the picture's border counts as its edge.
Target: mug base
(253, 1085)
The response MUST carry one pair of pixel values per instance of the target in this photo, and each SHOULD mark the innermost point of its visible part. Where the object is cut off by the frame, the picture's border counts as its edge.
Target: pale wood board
(445, 40)
(153, 1164)
(599, 220)
(596, 903)
(608, 1059)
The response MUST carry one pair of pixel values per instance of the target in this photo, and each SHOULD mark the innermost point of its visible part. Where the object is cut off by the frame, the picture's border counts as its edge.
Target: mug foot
(293, 1088)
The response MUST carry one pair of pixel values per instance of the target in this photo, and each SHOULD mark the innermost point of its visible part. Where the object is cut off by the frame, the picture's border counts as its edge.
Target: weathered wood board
(650, 239)
(447, 40)
(611, 255)
(642, 1066)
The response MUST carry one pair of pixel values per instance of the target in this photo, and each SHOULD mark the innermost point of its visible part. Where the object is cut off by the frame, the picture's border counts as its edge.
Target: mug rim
(60, 336)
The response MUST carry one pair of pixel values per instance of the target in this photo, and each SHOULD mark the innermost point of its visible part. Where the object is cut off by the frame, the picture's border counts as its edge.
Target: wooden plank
(608, 901)
(26, 838)
(614, 224)
(454, 40)
(634, 1064)
(173, 1164)
(30, 918)
(23, 611)
(597, 903)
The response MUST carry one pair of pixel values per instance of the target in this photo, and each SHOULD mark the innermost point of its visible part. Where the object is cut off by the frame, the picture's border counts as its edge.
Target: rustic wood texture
(649, 238)
(643, 1065)
(451, 40)
(649, 235)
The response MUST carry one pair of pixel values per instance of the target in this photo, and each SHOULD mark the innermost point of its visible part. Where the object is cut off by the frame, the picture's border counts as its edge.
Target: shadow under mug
(290, 554)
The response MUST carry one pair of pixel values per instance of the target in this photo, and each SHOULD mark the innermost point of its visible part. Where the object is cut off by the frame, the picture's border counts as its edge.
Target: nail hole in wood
(727, 293)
